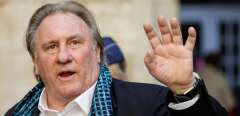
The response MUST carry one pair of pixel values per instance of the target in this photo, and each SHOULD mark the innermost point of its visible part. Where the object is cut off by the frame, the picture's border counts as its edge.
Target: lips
(66, 73)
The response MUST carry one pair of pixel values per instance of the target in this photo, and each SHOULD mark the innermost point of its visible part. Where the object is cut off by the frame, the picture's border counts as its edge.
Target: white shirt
(80, 106)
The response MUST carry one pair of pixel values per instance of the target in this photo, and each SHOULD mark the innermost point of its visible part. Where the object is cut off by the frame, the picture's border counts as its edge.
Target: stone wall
(121, 19)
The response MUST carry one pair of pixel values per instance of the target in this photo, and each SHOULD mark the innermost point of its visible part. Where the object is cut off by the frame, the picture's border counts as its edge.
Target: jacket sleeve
(205, 106)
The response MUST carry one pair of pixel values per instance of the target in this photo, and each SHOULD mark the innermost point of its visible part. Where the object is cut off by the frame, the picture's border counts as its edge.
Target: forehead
(60, 25)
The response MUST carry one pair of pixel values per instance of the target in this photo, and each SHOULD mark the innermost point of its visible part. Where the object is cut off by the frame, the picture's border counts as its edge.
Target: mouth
(66, 75)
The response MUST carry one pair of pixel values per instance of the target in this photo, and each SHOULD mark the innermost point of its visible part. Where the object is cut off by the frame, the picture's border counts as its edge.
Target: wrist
(186, 88)
(191, 93)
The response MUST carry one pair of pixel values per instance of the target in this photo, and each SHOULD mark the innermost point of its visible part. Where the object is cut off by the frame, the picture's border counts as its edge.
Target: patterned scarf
(26, 106)
(101, 102)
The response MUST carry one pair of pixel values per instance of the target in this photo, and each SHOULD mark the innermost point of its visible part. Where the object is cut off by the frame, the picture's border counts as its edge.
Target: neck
(56, 103)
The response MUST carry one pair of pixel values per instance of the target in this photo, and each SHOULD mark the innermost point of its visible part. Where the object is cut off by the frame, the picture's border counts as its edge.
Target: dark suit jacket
(135, 99)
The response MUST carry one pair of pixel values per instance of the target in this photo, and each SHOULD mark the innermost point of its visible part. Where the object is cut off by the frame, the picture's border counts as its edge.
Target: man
(114, 58)
(66, 50)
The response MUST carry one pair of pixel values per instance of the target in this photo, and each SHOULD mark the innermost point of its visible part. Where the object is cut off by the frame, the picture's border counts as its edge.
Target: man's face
(66, 55)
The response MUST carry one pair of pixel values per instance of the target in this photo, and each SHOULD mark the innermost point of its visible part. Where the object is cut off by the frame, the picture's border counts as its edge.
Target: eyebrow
(67, 38)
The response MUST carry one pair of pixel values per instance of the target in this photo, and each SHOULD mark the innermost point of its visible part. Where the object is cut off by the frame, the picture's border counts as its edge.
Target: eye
(74, 44)
(51, 48)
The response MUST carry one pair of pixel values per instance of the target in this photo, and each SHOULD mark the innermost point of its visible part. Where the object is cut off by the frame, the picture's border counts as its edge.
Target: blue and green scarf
(101, 102)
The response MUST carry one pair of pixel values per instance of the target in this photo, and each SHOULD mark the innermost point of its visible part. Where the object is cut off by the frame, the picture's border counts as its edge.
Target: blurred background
(216, 56)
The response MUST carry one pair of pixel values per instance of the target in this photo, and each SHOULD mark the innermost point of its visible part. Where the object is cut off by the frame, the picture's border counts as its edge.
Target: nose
(64, 56)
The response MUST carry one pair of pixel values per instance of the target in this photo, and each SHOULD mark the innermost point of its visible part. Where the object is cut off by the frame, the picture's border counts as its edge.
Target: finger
(149, 60)
(152, 36)
(176, 31)
(160, 51)
(192, 35)
(164, 29)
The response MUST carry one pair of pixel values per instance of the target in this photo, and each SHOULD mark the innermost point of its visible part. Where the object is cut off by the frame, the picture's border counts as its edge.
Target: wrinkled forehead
(61, 24)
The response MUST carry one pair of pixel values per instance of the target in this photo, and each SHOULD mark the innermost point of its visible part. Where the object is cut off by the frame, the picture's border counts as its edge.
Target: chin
(70, 92)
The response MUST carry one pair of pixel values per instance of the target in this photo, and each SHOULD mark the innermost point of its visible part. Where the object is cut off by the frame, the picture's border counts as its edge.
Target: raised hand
(170, 61)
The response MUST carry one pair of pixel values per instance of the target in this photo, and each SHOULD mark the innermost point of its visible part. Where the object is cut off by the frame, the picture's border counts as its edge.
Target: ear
(98, 53)
(35, 67)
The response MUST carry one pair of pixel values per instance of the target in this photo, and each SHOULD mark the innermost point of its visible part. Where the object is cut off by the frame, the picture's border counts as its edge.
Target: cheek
(82, 58)
(47, 71)
(85, 56)
(45, 65)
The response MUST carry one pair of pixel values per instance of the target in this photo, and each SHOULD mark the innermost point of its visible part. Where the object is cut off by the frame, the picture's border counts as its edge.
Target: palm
(172, 64)
(171, 61)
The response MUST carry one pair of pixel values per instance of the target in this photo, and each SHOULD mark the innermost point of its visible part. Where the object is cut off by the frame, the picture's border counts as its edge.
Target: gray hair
(62, 7)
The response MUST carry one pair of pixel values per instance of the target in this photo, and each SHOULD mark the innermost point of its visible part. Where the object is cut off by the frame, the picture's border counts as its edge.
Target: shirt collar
(42, 105)
(84, 100)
